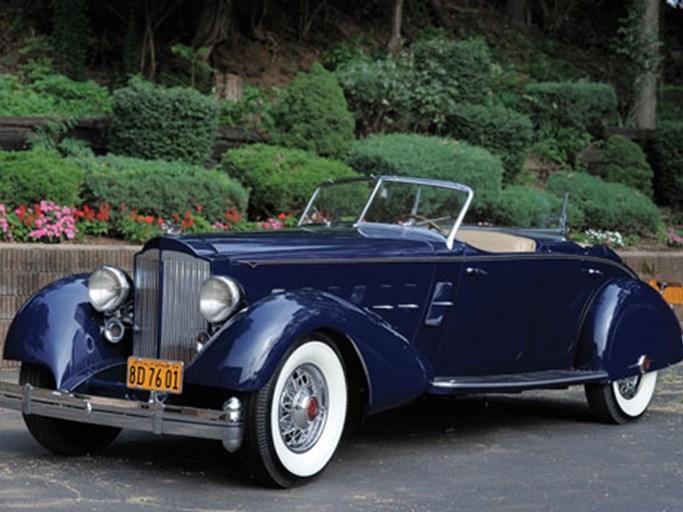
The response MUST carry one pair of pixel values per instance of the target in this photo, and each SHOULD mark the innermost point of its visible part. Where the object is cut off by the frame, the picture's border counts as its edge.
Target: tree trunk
(396, 25)
(441, 13)
(215, 24)
(516, 11)
(646, 84)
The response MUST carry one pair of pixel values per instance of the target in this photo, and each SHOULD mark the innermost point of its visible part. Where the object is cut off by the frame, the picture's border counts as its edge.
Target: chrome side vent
(167, 317)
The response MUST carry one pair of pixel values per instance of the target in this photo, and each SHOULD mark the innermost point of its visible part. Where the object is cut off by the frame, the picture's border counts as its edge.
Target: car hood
(368, 242)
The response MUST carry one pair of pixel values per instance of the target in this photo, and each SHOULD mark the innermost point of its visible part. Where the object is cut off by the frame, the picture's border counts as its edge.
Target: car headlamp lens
(108, 288)
(218, 298)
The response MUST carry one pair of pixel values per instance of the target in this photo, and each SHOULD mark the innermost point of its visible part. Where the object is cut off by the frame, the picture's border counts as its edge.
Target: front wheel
(622, 400)
(295, 422)
(63, 437)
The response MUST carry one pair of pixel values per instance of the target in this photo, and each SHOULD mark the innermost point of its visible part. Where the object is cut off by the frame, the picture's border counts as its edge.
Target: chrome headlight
(218, 298)
(108, 288)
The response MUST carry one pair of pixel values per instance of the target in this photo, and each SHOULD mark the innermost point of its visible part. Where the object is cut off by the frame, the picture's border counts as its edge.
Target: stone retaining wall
(24, 268)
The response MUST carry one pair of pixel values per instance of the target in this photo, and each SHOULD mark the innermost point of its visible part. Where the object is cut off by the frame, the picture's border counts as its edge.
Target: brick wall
(26, 268)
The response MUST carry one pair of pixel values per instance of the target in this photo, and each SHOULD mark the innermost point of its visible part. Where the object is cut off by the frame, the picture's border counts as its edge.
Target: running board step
(514, 382)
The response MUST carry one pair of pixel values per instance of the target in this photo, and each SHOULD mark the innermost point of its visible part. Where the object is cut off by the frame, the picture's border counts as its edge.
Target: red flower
(160, 221)
(282, 216)
(198, 208)
(149, 219)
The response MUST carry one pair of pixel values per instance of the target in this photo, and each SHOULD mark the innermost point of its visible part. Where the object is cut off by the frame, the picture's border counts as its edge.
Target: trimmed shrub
(160, 188)
(527, 207)
(579, 105)
(431, 157)
(624, 162)
(503, 131)
(668, 162)
(27, 177)
(608, 206)
(52, 95)
(378, 93)
(313, 115)
(281, 180)
(446, 73)
(163, 123)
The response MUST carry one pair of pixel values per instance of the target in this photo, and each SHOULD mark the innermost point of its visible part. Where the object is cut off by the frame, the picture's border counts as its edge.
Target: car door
(490, 323)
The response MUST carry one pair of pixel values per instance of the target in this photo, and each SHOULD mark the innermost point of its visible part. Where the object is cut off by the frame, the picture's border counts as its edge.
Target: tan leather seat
(495, 241)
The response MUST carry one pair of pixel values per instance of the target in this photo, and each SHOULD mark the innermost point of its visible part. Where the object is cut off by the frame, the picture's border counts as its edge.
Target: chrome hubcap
(303, 408)
(628, 387)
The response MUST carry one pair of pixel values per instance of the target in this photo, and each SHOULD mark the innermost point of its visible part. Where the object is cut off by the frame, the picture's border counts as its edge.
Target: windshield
(412, 202)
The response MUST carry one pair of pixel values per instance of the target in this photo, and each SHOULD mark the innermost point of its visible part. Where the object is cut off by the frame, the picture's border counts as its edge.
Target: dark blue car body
(409, 315)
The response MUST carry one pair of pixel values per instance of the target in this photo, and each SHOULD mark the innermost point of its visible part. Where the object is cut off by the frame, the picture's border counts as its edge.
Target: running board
(514, 382)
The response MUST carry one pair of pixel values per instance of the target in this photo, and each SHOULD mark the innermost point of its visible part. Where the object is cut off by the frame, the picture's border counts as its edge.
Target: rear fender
(246, 352)
(58, 328)
(629, 319)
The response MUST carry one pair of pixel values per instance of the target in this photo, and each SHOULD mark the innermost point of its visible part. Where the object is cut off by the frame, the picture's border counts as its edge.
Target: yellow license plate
(155, 375)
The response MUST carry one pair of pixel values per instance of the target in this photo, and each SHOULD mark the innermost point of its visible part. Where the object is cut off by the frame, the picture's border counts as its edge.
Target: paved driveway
(531, 452)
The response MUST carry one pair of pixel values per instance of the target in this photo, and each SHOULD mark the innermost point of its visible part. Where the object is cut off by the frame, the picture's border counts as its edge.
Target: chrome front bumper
(226, 425)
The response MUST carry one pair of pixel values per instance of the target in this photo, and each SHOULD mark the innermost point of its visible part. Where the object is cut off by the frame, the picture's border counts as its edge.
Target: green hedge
(579, 105)
(52, 95)
(607, 206)
(668, 163)
(432, 157)
(378, 93)
(528, 207)
(163, 123)
(503, 131)
(624, 162)
(280, 179)
(313, 115)
(27, 177)
(446, 73)
(160, 188)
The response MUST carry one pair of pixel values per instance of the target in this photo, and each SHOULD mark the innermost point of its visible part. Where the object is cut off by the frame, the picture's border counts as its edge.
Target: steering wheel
(422, 221)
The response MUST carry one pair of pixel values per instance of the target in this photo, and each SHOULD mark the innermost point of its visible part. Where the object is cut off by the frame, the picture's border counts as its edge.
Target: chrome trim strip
(441, 259)
(152, 417)
(408, 306)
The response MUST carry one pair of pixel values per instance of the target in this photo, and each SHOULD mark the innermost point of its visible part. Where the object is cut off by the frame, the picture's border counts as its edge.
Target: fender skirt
(627, 320)
(246, 352)
(57, 328)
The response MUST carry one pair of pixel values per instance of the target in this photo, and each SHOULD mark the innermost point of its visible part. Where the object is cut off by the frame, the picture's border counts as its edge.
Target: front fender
(246, 352)
(629, 319)
(58, 328)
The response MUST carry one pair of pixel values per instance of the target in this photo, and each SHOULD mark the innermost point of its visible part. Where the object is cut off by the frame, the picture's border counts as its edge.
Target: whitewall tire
(622, 400)
(296, 421)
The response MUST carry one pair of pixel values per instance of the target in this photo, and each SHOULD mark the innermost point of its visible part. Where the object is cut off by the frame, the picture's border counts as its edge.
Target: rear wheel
(622, 400)
(62, 436)
(295, 422)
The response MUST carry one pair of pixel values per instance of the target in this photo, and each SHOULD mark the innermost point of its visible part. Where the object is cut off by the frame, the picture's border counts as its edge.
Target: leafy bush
(280, 179)
(313, 115)
(52, 95)
(624, 162)
(524, 206)
(379, 94)
(668, 162)
(607, 206)
(29, 177)
(449, 72)
(503, 131)
(579, 105)
(160, 188)
(431, 157)
(163, 123)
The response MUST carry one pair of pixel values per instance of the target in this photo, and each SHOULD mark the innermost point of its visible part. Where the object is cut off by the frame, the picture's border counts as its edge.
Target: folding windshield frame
(450, 239)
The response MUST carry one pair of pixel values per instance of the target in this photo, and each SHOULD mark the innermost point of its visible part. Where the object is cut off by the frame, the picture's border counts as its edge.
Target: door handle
(476, 271)
(593, 272)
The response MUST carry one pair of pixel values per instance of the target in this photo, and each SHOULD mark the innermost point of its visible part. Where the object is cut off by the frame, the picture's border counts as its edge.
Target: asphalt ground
(538, 451)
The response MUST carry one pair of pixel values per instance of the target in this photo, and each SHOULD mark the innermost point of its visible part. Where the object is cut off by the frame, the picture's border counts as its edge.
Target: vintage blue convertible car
(271, 342)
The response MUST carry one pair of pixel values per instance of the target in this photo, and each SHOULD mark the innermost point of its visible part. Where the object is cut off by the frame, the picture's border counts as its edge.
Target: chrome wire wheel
(303, 408)
(628, 387)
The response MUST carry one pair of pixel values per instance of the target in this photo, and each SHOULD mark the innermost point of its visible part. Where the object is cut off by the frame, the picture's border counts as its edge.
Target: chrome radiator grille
(167, 318)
